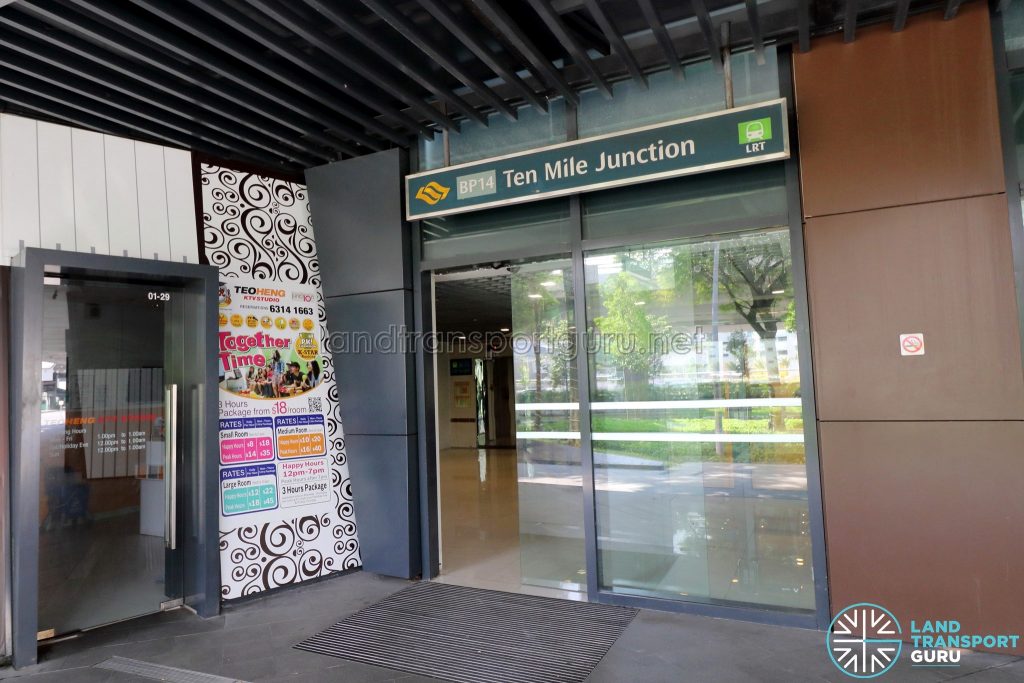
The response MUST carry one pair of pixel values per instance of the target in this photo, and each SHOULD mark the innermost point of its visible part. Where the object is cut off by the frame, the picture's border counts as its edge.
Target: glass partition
(548, 426)
(699, 464)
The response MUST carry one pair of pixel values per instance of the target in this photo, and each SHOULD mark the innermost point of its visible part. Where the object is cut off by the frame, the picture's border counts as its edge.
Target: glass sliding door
(699, 464)
(547, 426)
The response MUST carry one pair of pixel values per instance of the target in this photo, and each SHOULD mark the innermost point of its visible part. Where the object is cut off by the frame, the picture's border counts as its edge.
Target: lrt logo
(864, 641)
(755, 134)
(432, 192)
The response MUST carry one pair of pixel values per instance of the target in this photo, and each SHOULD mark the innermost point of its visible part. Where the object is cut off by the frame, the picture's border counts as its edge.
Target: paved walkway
(253, 642)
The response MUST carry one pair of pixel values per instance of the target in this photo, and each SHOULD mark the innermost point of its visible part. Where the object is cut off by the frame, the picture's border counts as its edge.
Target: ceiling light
(549, 283)
(556, 272)
(533, 296)
(640, 303)
(505, 329)
(778, 291)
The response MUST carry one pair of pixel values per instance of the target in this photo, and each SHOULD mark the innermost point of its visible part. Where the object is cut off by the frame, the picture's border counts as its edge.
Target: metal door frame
(199, 504)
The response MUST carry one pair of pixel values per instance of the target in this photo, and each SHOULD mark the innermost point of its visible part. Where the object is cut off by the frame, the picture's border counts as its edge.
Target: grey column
(364, 252)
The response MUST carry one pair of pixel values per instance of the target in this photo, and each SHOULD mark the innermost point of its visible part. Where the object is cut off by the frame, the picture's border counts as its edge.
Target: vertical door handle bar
(173, 505)
(168, 458)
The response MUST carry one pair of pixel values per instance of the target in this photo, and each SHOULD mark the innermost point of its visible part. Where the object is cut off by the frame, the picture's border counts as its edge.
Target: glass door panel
(547, 426)
(112, 355)
(699, 466)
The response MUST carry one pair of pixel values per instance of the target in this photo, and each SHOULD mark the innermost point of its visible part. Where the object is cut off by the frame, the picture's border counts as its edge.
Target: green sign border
(481, 164)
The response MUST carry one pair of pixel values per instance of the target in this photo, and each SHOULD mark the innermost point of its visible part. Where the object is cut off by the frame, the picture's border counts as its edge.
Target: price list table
(246, 440)
(251, 488)
(300, 436)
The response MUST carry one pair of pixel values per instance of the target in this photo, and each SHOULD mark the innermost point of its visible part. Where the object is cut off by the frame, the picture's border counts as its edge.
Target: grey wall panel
(376, 387)
(385, 494)
(357, 214)
(364, 253)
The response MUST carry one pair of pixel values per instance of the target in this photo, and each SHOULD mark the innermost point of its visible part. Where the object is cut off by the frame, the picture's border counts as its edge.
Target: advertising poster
(287, 513)
(272, 431)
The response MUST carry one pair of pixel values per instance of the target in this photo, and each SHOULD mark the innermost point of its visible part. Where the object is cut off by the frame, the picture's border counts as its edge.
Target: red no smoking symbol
(912, 344)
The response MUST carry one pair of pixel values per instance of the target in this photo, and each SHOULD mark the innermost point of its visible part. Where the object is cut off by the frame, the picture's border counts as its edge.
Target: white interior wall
(85, 191)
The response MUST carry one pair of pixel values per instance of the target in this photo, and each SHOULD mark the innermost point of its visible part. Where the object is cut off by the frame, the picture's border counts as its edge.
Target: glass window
(431, 152)
(1017, 100)
(478, 234)
(667, 99)
(724, 200)
(534, 128)
(1013, 33)
(664, 100)
(698, 437)
(752, 82)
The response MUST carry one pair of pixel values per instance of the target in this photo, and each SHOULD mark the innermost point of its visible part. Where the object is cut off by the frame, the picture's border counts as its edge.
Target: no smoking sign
(912, 344)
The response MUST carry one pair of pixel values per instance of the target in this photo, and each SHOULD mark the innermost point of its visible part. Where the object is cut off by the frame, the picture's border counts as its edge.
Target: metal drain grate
(476, 636)
(158, 672)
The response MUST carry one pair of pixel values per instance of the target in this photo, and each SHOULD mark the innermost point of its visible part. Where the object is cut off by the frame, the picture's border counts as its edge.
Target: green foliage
(632, 329)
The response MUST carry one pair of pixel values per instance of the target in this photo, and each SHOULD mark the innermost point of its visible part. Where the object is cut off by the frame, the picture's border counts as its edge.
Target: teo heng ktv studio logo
(866, 640)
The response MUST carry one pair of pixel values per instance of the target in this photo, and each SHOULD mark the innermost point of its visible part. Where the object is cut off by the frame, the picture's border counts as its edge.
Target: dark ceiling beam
(455, 26)
(803, 24)
(615, 41)
(405, 27)
(48, 110)
(264, 38)
(899, 21)
(64, 98)
(661, 35)
(314, 35)
(754, 23)
(707, 29)
(849, 21)
(511, 32)
(952, 6)
(61, 80)
(97, 36)
(194, 53)
(197, 52)
(571, 45)
(65, 61)
(334, 13)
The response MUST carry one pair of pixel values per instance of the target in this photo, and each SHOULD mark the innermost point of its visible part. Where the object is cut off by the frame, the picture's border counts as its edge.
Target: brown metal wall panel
(925, 517)
(943, 269)
(899, 118)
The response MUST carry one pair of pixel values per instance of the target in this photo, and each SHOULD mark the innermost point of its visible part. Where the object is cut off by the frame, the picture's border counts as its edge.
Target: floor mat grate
(471, 635)
(158, 672)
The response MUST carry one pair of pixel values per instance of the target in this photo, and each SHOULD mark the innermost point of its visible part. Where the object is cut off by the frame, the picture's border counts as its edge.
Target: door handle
(171, 466)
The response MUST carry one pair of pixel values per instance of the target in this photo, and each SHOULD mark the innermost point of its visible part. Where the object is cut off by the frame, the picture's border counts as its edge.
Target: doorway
(509, 466)
(114, 374)
(112, 366)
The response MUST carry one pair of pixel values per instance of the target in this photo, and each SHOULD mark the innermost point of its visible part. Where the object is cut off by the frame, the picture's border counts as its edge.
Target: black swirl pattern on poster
(259, 227)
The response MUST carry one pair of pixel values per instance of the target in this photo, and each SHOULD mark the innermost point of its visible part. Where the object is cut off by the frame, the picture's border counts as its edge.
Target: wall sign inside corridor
(736, 137)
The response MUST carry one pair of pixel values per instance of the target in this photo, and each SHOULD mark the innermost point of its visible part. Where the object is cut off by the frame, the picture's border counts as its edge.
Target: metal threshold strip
(158, 672)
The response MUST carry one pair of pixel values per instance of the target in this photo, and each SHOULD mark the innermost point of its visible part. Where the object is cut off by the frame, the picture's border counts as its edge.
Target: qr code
(315, 405)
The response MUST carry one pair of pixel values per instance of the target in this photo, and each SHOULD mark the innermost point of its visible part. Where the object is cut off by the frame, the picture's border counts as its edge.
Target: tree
(738, 348)
(631, 332)
(752, 271)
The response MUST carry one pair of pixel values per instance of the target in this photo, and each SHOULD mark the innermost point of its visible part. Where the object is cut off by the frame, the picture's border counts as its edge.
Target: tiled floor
(253, 642)
(481, 544)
